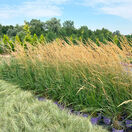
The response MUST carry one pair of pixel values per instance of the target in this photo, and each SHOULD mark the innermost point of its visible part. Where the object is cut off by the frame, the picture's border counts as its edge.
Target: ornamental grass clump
(88, 77)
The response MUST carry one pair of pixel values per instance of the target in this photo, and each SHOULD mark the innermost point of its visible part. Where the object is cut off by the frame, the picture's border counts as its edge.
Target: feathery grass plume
(125, 102)
(81, 76)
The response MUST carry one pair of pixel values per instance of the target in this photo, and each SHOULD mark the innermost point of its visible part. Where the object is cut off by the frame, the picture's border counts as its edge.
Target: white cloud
(122, 8)
(106, 2)
(32, 9)
(122, 11)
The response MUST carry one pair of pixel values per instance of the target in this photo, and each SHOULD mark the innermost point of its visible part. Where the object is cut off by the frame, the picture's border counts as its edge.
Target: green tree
(117, 32)
(42, 39)
(5, 29)
(8, 44)
(84, 33)
(50, 36)
(0, 30)
(69, 28)
(53, 25)
(17, 40)
(115, 39)
(35, 39)
(28, 37)
(36, 27)
(12, 32)
(6, 40)
(27, 29)
(21, 35)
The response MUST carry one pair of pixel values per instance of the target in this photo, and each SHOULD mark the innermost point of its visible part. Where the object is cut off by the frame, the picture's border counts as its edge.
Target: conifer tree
(35, 39)
(17, 40)
(42, 39)
(115, 39)
(28, 37)
(8, 44)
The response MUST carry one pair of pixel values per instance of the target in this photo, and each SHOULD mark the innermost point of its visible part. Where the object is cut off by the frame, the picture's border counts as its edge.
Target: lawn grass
(87, 78)
(20, 111)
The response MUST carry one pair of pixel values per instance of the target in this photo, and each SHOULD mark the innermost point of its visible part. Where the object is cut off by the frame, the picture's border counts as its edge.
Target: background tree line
(50, 30)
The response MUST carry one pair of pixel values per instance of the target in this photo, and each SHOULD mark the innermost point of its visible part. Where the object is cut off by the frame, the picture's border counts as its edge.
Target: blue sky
(96, 14)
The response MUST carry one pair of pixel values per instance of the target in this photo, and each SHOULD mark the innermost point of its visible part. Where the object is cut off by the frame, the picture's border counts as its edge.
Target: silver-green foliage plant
(22, 112)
